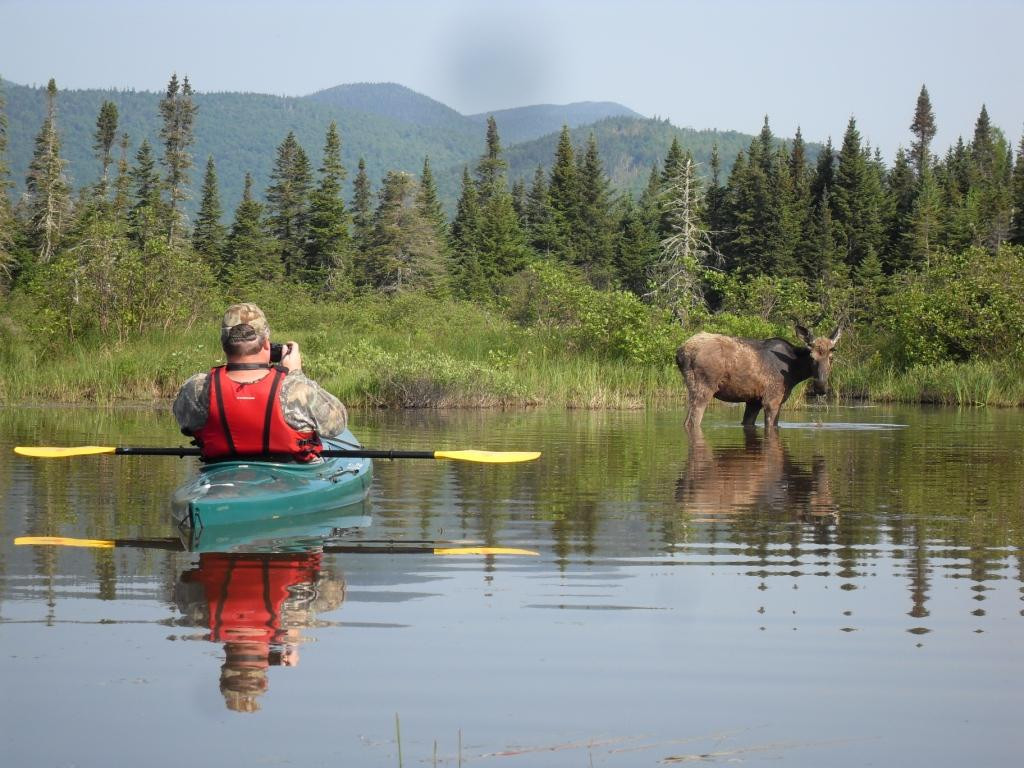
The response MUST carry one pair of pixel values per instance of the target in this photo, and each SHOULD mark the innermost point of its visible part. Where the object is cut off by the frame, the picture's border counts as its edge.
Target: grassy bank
(420, 352)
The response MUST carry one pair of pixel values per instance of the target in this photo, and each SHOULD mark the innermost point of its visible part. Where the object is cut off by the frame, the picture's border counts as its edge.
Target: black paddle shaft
(330, 453)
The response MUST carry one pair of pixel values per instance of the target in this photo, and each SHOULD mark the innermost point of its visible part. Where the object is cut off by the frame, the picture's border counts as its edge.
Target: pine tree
(636, 248)
(501, 243)
(923, 128)
(1017, 226)
(903, 187)
(103, 142)
(404, 253)
(922, 233)
(715, 200)
(328, 251)
(429, 202)
(989, 200)
(564, 195)
(856, 199)
(541, 233)
(7, 222)
(47, 187)
(178, 114)
(596, 236)
(209, 236)
(288, 203)
(250, 255)
(122, 183)
(147, 211)
(469, 280)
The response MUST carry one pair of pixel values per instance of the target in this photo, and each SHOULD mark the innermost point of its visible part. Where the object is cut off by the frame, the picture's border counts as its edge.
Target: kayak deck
(228, 492)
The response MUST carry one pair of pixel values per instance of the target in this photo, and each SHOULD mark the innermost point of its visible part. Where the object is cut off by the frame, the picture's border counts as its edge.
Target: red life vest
(246, 421)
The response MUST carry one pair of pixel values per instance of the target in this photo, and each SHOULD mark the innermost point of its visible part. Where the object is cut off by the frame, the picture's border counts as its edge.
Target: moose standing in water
(758, 373)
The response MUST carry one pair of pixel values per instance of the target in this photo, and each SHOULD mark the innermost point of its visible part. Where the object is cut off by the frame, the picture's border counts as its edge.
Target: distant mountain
(526, 123)
(391, 126)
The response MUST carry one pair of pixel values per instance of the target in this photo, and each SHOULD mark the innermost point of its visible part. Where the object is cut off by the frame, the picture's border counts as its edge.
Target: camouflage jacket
(305, 404)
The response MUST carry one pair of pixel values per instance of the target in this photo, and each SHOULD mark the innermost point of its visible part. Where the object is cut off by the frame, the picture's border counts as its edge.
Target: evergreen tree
(7, 222)
(251, 255)
(209, 236)
(923, 228)
(47, 187)
(288, 203)
(857, 199)
(519, 201)
(103, 143)
(715, 200)
(178, 114)
(923, 128)
(564, 195)
(362, 221)
(328, 250)
(542, 236)
(1016, 228)
(636, 248)
(469, 280)
(824, 176)
(147, 210)
(595, 253)
(430, 203)
(404, 253)
(903, 188)
(122, 183)
(502, 244)
(989, 199)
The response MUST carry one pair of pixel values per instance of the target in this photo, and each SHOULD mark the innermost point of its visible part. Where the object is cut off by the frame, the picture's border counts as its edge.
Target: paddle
(483, 457)
(175, 545)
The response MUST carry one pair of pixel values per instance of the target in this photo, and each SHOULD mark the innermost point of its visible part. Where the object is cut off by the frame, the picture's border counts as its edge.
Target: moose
(758, 373)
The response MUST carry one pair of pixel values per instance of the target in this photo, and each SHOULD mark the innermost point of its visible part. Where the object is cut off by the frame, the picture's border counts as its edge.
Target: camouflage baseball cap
(243, 322)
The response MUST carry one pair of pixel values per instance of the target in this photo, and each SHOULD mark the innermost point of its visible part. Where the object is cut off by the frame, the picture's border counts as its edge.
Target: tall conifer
(469, 280)
(47, 187)
(178, 113)
(596, 234)
(429, 202)
(7, 222)
(923, 128)
(288, 203)
(103, 143)
(209, 235)
(564, 195)
(328, 249)
(147, 210)
(1017, 225)
(251, 255)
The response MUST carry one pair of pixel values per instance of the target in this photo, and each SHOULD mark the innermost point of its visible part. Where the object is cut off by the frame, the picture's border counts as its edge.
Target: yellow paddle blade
(60, 541)
(484, 551)
(489, 457)
(59, 453)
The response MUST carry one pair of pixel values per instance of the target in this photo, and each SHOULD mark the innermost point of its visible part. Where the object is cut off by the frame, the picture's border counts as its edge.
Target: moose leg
(771, 413)
(750, 412)
(699, 399)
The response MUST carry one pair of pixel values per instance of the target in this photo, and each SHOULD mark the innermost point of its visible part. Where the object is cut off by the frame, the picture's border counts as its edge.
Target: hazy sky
(721, 64)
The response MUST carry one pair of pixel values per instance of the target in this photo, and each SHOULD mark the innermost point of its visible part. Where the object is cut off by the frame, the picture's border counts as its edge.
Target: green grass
(419, 352)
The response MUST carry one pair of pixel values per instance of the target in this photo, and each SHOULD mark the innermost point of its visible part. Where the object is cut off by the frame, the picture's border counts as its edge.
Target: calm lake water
(848, 594)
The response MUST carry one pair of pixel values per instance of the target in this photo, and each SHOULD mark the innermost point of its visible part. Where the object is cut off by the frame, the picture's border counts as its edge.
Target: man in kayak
(252, 407)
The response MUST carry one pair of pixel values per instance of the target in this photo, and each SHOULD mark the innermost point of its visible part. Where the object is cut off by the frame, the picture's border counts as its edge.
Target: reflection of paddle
(483, 457)
(443, 548)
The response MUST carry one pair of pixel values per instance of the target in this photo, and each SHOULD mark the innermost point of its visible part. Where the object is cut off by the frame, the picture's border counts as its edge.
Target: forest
(560, 289)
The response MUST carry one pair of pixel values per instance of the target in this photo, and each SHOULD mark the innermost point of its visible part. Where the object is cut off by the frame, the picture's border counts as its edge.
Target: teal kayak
(233, 492)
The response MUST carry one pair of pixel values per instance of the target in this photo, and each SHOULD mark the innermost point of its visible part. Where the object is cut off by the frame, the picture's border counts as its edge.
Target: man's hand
(292, 359)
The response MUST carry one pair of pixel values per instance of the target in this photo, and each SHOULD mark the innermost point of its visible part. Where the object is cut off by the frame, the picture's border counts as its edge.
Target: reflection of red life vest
(246, 420)
(245, 592)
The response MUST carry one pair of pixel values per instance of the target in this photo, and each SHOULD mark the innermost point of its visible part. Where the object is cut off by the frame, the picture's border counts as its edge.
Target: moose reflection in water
(759, 475)
(758, 373)
(256, 604)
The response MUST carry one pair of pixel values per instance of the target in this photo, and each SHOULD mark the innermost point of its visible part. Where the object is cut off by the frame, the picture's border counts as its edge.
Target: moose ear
(836, 334)
(805, 336)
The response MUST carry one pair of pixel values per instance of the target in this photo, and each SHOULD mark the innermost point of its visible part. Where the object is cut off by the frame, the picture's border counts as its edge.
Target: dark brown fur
(759, 373)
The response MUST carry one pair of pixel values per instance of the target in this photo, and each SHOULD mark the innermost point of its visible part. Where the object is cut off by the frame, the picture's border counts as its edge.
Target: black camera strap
(248, 366)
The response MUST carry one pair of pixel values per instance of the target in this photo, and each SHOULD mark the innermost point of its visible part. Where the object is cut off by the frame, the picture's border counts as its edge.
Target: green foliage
(967, 306)
(610, 324)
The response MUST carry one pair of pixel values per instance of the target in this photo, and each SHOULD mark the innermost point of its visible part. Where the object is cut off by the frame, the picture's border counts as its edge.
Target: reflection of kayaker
(256, 604)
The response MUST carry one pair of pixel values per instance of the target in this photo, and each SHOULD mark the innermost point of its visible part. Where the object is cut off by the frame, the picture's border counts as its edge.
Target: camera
(276, 353)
